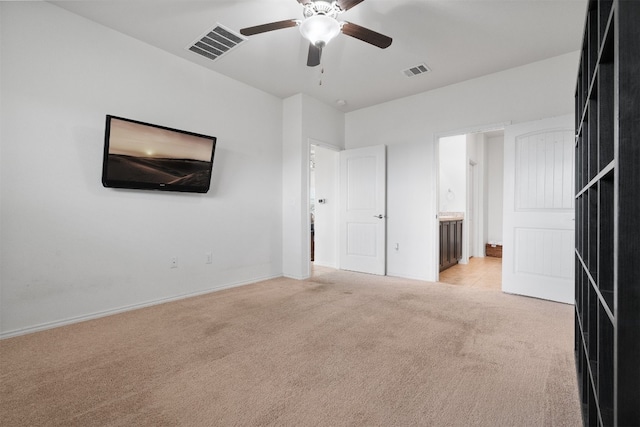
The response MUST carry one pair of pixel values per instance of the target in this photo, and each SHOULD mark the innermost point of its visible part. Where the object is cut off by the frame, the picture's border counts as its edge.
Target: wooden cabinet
(450, 243)
(607, 278)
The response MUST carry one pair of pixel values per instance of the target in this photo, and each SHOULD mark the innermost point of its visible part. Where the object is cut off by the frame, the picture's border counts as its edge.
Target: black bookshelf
(607, 159)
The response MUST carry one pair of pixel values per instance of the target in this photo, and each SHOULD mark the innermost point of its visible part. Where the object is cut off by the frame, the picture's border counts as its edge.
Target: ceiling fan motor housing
(320, 7)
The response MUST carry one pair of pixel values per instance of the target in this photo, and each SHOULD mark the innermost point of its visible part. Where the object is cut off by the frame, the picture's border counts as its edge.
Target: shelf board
(608, 168)
(593, 284)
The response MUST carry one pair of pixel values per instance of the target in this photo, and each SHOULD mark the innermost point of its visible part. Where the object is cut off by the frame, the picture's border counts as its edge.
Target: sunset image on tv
(140, 153)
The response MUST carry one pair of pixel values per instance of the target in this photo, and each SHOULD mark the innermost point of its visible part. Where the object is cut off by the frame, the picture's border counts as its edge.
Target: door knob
(379, 216)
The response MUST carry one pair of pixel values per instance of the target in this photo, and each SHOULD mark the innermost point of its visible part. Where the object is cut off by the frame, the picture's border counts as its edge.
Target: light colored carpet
(339, 349)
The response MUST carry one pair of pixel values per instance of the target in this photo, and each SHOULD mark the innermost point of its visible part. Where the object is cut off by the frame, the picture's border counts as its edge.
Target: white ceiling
(457, 39)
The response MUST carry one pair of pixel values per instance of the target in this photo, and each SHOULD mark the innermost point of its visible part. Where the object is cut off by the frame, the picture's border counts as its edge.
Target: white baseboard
(325, 264)
(408, 276)
(295, 277)
(97, 315)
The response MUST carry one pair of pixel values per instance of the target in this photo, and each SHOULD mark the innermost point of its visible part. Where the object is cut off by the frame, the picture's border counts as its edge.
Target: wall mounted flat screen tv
(151, 157)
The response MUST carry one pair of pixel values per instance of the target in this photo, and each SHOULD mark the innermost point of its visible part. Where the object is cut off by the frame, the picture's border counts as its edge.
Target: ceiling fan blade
(314, 55)
(347, 4)
(249, 31)
(366, 35)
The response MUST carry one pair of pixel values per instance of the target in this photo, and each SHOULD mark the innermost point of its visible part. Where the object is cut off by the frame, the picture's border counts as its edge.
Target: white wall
(495, 168)
(409, 126)
(408, 179)
(72, 249)
(305, 121)
(326, 217)
(453, 173)
(294, 168)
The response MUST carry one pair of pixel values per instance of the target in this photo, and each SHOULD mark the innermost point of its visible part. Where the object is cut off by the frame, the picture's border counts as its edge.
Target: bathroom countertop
(450, 216)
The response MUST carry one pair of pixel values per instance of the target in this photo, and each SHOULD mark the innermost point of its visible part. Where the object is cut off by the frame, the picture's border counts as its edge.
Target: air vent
(416, 70)
(216, 42)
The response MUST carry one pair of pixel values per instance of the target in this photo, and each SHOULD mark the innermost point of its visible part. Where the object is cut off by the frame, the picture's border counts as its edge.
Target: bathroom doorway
(470, 182)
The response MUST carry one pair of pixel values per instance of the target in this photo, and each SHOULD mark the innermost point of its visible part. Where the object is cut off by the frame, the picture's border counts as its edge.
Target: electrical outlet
(174, 262)
(209, 257)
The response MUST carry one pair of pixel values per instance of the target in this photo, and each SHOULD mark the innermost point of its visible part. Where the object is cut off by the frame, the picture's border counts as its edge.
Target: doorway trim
(471, 221)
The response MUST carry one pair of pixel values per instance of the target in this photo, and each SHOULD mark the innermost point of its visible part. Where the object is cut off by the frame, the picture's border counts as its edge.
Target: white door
(363, 210)
(538, 228)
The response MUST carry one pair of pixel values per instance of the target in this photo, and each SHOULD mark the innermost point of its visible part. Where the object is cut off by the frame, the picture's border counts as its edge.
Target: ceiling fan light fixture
(319, 29)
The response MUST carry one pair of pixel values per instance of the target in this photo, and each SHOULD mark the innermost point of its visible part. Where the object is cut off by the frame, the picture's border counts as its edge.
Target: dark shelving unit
(607, 158)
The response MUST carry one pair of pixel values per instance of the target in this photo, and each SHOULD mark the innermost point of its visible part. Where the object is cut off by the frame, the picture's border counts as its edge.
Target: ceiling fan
(320, 25)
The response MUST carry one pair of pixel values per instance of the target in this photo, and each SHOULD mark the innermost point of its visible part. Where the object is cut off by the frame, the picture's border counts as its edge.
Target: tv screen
(145, 156)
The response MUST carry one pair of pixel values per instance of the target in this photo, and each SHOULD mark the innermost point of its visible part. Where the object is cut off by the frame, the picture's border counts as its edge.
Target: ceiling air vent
(416, 70)
(216, 42)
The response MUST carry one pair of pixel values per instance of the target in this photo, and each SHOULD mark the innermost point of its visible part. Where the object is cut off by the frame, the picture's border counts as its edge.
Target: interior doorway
(470, 193)
(323, 205)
